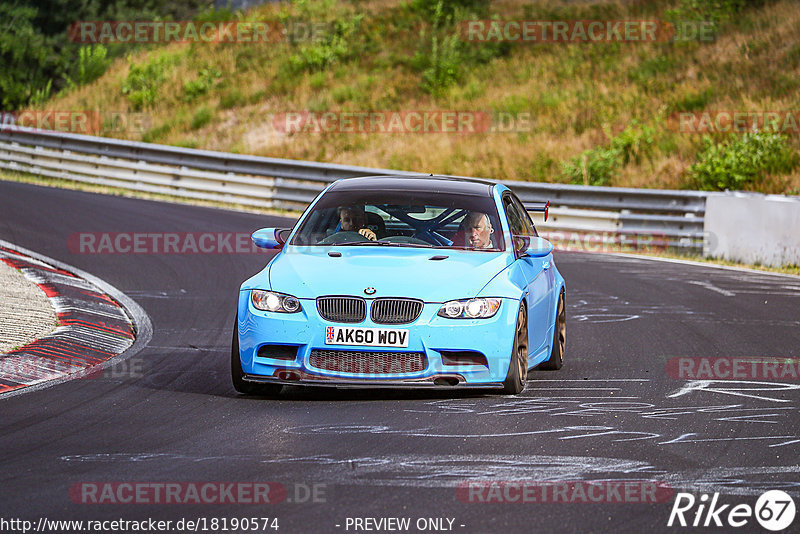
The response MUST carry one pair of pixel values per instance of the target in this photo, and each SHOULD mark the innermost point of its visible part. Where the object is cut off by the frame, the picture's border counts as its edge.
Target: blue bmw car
(390, 281)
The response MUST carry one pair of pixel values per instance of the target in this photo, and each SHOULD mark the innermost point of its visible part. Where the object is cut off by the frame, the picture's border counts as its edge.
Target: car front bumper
(430, 334)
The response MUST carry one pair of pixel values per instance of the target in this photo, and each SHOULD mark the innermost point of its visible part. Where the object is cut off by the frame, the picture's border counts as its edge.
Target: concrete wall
(753, 228)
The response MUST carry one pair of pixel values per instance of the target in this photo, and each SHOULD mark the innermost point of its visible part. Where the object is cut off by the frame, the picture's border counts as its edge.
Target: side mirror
(538, 247)
(272, 238)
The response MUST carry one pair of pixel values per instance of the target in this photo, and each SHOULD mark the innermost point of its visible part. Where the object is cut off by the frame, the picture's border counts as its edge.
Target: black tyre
(518, 368)
(237, 374)
(556, 359)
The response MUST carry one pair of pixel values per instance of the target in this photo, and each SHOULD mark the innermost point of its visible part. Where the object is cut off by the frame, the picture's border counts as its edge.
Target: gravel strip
(25, 311)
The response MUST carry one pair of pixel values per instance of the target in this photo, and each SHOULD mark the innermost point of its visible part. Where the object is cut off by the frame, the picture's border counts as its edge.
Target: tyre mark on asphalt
(452, 470)
(735, 388)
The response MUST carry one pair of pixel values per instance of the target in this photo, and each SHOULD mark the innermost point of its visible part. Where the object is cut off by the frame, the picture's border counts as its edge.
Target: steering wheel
(404, 239)
(343, 237)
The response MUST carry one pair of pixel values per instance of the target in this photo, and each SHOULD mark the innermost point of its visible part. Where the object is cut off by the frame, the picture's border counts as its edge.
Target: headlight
(481, 308)
(274, 302)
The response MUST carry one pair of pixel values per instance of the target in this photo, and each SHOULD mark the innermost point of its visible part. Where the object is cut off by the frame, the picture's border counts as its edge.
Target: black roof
(422, 184)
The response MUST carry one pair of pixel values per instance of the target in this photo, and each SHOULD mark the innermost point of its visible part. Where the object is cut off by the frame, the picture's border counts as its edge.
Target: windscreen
(403, 219)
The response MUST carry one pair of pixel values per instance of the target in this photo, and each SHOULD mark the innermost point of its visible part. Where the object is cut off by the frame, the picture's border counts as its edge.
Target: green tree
(25, 57)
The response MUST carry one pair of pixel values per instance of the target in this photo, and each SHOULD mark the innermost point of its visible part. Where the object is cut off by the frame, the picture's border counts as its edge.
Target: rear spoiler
(539, 206)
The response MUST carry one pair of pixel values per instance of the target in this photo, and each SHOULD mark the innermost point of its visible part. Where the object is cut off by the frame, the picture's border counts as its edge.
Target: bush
(442, 57)
(141, 84)
(741, 161)
(336, 45)
(156, 134)
(201, 118)
(444, 64)
(692, 101)
(200, 86)
(634, 144)
(92, 63)
(593, 167)
(598, 165)
(439, 58)
(232, 99)
(41, 95)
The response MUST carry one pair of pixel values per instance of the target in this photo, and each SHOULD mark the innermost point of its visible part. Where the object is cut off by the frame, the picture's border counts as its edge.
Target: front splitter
(409, 383)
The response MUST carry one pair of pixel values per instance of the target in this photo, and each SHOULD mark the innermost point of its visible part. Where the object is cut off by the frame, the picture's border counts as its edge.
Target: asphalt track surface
(613, 412)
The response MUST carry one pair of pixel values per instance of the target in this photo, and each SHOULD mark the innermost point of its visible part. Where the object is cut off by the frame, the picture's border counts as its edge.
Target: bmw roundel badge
(370, 291)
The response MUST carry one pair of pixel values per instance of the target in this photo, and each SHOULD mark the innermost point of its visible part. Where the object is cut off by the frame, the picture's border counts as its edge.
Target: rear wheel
(237, 374)
(556, 359)
(518, 368)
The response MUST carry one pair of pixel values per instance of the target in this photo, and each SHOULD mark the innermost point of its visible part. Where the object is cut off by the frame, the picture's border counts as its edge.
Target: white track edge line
(703, 264)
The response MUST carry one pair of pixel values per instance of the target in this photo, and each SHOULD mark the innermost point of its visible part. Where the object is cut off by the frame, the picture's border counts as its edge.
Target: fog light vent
(278, 352)
(463, 357)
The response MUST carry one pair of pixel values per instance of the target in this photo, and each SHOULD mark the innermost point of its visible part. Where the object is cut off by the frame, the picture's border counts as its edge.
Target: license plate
(366, 337)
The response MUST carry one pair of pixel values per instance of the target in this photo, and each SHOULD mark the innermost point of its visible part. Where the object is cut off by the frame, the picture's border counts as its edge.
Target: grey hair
(473, 216)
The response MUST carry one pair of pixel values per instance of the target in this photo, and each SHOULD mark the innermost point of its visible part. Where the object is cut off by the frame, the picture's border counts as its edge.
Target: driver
(477, 230)
(354, 219)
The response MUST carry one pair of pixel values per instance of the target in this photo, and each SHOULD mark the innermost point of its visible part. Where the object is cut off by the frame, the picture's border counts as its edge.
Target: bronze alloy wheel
(518, 367)
(556, 359)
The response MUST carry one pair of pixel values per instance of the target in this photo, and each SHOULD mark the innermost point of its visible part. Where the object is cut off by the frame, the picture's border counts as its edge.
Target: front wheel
(237, 374)
(518, 367)
(556, 359)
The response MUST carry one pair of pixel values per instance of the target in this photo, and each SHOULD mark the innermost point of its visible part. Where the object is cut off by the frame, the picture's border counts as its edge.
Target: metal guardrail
(659, 217)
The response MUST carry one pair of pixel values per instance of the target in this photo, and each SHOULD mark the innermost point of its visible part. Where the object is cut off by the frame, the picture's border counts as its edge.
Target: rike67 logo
(774, 510)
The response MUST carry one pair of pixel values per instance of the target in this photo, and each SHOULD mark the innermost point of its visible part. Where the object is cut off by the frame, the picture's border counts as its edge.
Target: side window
(526, 219)
(516, 220)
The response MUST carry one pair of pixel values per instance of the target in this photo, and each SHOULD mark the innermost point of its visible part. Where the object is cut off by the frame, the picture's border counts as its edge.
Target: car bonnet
(432, 275)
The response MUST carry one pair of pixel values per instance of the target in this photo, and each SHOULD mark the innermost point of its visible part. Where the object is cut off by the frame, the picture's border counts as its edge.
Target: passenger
(477, 230)
(354, 219)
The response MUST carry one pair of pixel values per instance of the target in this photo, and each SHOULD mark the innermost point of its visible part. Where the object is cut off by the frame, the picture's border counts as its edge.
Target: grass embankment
(601, 112)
